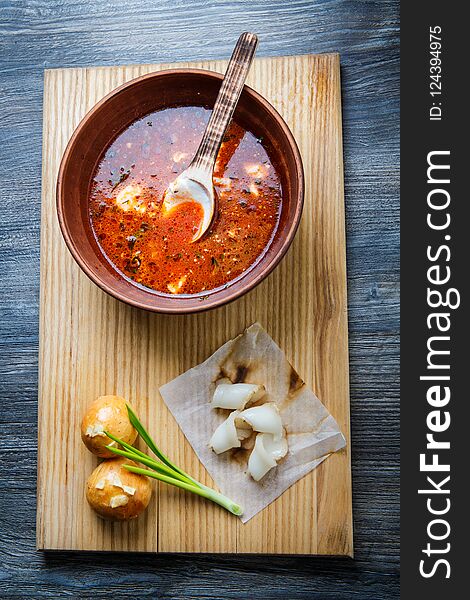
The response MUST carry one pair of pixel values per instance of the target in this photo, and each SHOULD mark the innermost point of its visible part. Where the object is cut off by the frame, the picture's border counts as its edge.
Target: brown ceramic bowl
(113, 114)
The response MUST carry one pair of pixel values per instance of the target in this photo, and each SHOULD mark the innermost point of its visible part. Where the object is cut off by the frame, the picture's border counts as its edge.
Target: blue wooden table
(38, 34)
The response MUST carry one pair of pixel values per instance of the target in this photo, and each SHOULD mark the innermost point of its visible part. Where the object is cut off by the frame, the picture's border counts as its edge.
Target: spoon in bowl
(195, 184)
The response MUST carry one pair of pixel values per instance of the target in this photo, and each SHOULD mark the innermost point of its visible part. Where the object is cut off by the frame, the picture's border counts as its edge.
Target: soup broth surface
(154, 248)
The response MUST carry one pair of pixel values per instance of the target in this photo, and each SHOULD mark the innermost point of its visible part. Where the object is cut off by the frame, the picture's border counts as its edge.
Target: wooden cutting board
(91, 344)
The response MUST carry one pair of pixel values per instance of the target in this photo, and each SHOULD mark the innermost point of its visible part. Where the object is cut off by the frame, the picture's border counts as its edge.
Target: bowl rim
(207, 304)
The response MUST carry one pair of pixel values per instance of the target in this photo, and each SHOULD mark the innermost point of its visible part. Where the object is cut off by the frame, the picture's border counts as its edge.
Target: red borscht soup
(154, 248)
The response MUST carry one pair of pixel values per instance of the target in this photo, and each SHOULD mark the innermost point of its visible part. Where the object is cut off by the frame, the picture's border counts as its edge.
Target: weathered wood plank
(133, 353)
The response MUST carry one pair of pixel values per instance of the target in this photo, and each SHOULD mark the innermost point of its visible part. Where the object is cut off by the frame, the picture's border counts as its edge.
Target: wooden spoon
(195, 184)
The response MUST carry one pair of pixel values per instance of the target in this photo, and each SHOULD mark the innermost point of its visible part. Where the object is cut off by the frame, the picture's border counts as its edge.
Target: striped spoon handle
(225, 103)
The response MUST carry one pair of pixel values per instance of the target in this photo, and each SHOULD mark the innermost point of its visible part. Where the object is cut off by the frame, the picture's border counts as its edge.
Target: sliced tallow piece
(264, 418)
(276, 448)
(236, 395)
(265, 454)
(225, 436)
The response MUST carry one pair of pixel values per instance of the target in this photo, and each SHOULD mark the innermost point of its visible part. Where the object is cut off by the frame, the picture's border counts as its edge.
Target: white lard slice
(276, 448)
(236, 395)
(225, 436)
(265, 454)
(264, 418)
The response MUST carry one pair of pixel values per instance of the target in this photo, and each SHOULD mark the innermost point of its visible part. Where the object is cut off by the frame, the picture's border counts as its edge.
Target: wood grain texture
(39, 34)
(91, 344)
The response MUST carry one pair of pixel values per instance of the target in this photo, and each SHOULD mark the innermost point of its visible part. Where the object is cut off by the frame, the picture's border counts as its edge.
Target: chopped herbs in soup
(154, 248)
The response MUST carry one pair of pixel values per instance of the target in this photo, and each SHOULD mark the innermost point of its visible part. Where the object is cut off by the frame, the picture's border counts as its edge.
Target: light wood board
(91, 344)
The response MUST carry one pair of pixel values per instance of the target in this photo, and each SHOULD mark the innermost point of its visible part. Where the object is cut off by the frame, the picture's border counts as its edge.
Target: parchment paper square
(253, 357)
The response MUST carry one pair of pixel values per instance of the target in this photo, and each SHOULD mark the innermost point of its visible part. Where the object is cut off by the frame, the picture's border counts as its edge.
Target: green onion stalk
(164, 469)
